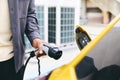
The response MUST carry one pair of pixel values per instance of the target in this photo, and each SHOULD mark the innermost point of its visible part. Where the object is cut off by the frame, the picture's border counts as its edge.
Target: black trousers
(7, 70)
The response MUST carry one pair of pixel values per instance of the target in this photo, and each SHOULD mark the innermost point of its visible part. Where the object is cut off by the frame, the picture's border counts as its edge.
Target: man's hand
(38, 43)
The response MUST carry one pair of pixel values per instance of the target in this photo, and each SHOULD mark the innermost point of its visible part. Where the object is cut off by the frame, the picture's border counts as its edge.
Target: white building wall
(62, 3)
(58, 25)
(58, 4)
(46, 23)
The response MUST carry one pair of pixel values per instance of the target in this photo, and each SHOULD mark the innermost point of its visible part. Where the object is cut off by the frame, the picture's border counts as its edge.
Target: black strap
(32, 54)
(38, 65)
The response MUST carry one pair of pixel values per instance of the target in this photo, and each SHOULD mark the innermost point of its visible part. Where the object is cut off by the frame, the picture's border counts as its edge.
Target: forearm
(32, 29)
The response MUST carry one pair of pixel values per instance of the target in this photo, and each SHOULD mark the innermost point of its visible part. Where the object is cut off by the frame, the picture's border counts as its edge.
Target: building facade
(57, 20)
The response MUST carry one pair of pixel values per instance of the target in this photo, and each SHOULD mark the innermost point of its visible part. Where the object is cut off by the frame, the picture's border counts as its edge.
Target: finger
(37, 54)
(40, 50)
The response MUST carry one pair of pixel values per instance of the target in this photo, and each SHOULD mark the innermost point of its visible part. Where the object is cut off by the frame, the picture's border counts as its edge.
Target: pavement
(69, 53)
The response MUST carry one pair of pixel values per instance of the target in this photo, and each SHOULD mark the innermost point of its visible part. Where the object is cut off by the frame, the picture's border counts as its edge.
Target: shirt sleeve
(32, 29)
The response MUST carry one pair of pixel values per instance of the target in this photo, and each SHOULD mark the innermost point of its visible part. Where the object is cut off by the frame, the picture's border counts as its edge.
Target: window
(52, 24)
(67, 25)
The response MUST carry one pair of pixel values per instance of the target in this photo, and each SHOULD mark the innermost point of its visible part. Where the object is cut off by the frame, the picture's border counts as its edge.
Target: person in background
(17, 17)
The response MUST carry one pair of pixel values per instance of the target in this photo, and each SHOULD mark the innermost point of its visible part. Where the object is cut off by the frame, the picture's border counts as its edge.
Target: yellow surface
(67, 72)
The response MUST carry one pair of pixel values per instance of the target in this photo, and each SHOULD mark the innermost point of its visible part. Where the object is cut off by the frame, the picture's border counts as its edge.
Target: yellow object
(67, 72)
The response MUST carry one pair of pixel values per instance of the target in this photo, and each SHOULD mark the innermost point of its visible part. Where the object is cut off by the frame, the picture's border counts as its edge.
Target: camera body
(52, 51)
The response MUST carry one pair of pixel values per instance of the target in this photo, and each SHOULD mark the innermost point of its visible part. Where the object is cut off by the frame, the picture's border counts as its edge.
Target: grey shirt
(23, 21)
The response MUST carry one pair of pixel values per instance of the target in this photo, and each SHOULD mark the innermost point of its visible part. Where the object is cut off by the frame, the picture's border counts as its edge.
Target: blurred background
(57, 21)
